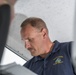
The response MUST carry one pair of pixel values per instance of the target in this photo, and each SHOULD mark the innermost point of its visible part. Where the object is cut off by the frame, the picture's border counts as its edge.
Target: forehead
(28, 31)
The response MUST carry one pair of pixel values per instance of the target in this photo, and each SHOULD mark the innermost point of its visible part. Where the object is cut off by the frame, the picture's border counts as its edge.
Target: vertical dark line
(4, 26)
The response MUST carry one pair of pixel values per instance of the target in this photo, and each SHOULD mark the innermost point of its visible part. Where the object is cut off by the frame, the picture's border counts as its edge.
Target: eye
(31, 40)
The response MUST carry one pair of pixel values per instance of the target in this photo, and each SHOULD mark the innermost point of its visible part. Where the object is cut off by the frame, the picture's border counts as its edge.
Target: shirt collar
(56, 46)
(55, 49)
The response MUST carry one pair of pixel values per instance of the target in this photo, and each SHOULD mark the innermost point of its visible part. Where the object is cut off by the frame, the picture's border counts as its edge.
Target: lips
(31, 49)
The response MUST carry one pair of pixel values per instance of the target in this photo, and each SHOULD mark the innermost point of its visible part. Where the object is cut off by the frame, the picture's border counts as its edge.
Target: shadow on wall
(14, 42)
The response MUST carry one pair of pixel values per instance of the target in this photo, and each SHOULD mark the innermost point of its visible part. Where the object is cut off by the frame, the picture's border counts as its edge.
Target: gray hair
(34, 22)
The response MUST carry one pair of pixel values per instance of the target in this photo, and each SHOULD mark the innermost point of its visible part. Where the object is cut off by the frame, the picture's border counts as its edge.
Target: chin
(34, 55)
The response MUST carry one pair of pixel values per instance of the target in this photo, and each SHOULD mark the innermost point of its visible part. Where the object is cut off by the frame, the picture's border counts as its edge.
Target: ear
(44, 32)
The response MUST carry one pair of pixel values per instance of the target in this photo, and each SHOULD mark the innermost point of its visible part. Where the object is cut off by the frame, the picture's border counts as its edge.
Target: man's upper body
(50, 58)
(57, 62)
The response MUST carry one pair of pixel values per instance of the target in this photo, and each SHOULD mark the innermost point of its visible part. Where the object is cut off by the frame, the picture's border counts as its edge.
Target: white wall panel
(58, 15)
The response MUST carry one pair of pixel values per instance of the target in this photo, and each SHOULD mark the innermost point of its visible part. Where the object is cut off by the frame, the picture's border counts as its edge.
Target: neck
(49, 48)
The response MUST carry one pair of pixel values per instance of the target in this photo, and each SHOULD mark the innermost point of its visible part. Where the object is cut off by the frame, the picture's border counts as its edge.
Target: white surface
(16, 69)
(9, 57)
(58, 15)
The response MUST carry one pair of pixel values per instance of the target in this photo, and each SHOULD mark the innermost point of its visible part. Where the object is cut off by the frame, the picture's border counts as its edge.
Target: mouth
(31, 50)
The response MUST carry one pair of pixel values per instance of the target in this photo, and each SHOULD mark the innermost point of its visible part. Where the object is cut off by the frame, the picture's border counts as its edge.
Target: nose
(27, 45)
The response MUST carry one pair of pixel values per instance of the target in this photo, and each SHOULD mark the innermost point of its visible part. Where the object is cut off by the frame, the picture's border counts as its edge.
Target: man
(50, 58)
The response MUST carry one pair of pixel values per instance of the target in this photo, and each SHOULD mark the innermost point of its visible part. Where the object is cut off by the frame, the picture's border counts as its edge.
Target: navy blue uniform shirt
(58, 62)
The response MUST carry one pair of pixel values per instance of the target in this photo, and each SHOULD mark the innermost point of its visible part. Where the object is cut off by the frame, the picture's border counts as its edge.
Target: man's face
(33, 40)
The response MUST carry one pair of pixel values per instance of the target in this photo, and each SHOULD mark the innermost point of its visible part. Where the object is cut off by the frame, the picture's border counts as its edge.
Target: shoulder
(66, 44)
(67, 47)
(63, 45)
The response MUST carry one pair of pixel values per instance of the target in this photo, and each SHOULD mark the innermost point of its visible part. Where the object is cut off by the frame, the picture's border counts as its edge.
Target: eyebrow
(24, 38)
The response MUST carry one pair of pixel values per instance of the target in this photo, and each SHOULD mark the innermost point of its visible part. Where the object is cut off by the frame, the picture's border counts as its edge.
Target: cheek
(35, 45)
(38, 45)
